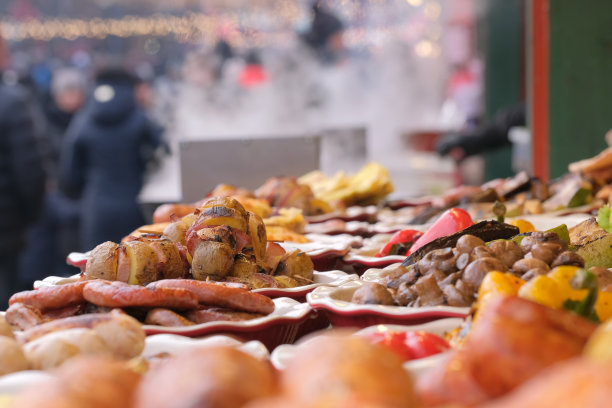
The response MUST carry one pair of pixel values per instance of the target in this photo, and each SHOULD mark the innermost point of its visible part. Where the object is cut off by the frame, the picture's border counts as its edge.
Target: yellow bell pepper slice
(544, 290)
(522, 225)
(603, 306)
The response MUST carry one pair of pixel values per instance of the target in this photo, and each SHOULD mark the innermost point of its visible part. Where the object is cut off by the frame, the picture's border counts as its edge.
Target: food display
(530, 307)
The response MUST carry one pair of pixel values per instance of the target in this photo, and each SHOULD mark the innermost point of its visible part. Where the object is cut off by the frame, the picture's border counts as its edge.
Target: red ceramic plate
(354, 213)
(361, 263)
(341, 312)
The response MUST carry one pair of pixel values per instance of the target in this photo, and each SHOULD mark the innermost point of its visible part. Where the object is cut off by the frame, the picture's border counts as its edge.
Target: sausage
(166, 318)
(51, 297)
(213, 294)
(216, 314)
(119, 294)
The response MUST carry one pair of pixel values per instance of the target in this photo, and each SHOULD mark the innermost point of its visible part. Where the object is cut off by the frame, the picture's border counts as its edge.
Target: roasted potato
(257, 232)
(298, 266)
(212, 259)
(243, 267)
(102, 263)
(169, 259)
(176, 231)
(142, 261)
(597, 252)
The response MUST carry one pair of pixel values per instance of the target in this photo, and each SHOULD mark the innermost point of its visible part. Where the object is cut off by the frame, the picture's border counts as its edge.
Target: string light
(201, 28)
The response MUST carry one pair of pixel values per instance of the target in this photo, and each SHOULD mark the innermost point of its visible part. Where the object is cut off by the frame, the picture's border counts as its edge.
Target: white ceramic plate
(282, 355)
(173, 343)
(14, 383)
(543, 222)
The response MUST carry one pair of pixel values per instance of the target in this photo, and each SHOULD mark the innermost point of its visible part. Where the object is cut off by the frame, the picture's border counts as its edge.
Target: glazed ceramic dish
(341, 312)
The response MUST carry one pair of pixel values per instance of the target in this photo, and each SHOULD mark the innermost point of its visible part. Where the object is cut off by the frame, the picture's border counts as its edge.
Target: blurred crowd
(74, 153)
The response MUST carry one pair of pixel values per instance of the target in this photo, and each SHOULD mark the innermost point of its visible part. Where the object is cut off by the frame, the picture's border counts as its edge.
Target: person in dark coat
(22, 181)
(108, 146)
(56, 233)
(489, 136)
(325, 36)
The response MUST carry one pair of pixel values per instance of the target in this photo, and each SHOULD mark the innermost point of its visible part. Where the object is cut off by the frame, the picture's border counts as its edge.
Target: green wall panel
(501, 41)
(580, 80)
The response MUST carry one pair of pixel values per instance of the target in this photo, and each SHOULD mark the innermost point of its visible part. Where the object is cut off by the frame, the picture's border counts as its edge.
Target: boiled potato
(12, 358)
(102, 264)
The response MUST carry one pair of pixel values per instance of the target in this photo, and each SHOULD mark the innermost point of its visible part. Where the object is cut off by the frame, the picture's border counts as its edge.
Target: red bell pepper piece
(400, 243)
(410, 345)
(451, 221)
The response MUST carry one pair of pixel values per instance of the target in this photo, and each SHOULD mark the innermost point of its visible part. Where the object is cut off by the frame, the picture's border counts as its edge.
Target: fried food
(119, 294)
(212, 294)
(5, 328)
(114, 324)
(286, 192)
(289, 218)
(12, 358)
(575, 383)
(512, 341)
(219, 377)
(54, 348)
(346, 371)
(92, 382)
(369, 186)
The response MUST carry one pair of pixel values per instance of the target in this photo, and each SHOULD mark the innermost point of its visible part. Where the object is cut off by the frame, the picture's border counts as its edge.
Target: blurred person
(108, 146)
(325, 36)
(22, 179)
(485, 137)
(253, 73)
(56, 233)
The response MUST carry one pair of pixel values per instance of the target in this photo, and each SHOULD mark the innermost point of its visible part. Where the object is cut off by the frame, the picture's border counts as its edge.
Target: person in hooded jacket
(108, 146)
(22, 179)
